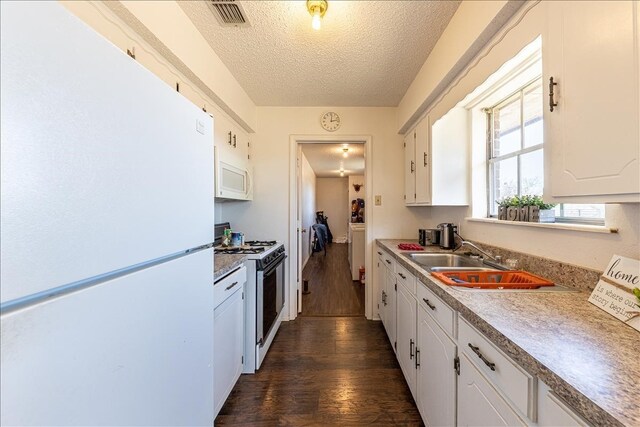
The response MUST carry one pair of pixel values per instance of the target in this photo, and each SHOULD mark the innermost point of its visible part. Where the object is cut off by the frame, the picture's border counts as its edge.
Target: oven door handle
(276, 264)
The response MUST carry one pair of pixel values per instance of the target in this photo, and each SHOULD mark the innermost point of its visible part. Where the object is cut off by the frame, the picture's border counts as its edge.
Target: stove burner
(239, 250)
(260, 243)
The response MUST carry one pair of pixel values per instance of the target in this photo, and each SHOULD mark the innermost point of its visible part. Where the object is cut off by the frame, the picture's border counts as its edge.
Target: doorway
(333, 292)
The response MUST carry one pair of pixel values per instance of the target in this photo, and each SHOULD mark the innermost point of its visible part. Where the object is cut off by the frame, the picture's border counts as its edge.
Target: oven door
(270, 298)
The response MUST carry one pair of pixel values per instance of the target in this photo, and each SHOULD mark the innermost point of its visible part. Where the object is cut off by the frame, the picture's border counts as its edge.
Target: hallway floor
(333, 293)
(324, 371)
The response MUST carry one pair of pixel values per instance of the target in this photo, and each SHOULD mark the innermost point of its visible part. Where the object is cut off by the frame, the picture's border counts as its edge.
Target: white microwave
(233, 182)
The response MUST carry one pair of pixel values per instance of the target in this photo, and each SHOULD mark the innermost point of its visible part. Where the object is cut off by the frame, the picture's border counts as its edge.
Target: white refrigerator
(106, 292)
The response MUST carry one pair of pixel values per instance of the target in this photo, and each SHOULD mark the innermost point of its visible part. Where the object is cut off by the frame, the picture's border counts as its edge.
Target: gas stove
(265, 293)
(245, 250)
(261, 243)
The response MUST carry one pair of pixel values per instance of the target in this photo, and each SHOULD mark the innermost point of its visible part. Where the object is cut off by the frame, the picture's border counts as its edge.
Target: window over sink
(510, 105)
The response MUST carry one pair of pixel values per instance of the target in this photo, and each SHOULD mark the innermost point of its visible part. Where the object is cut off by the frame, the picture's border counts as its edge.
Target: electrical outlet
(459, 229)
(378, 201)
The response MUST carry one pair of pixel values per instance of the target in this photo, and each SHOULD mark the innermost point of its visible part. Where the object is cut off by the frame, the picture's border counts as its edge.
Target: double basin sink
(439, 262)
(451, 262)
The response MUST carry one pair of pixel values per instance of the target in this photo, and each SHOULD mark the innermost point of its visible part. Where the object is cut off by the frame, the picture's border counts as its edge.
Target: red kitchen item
(410, 247)
(496, 279)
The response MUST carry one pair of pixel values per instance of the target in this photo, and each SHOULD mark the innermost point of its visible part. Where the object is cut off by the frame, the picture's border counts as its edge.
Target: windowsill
(552, 225)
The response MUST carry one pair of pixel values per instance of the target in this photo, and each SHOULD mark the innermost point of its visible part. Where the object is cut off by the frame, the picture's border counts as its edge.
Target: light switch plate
(378, 201)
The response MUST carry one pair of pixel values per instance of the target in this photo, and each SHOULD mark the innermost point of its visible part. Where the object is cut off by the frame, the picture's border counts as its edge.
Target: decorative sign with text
(615, 294)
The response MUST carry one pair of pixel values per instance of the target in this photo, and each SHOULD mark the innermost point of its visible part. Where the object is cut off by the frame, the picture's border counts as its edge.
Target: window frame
(490, 158)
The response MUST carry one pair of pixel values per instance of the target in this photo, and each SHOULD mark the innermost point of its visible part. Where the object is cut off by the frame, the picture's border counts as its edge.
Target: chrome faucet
(463, 242)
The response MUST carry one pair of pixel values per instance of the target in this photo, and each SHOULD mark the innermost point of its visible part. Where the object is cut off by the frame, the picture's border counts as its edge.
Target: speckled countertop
(225, 263)
(589, 358)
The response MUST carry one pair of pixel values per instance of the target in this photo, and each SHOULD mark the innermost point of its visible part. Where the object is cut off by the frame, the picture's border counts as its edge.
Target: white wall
(472, 22)
(307, 204)
(331, 197)
(268, 215)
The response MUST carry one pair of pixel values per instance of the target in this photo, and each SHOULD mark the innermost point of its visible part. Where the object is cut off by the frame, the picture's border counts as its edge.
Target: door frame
(295, 271)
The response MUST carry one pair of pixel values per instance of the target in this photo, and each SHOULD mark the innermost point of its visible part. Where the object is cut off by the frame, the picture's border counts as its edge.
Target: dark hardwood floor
(333, 293)
(324, 372)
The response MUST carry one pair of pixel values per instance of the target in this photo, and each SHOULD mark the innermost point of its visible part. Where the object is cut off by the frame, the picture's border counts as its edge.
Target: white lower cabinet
(228, 335)
(390, 309)
(456, 375)
(436, 376)
(381, 277)
(406, 336)
(553, 412)
(479, 404)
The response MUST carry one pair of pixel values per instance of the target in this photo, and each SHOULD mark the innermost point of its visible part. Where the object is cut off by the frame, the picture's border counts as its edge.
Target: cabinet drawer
(405, 278)
(444, 315)
(380, 254)
(514, 383)
(389, 261)
(229, 285)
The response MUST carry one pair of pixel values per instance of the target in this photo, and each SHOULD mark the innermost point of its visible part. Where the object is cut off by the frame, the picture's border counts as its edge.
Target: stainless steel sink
(437, 269)
(446, 261)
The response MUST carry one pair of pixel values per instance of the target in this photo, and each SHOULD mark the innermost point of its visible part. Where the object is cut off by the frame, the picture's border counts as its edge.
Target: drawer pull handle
(552, 103)
(476, 350)
(402, 275)
(417, 358)
(387, 261)
(379, 253)
(431, 306)
(411, 349)
(231, 286)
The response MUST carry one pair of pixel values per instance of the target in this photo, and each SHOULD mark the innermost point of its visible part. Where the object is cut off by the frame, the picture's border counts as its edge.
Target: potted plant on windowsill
(526, 208)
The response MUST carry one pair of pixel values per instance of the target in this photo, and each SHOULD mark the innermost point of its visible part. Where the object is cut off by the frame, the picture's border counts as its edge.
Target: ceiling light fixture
(317, 9)
(345, 152)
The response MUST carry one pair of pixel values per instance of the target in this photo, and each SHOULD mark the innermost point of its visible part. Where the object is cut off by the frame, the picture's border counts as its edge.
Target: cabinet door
(390, 309)
(241, 149)
(228, 338)
(423, 162)
(552, 412)
(223, 137)
(479, 404)
(410, 168)
(436, 380)
(592, 138)
(406, 336)
(381, 277)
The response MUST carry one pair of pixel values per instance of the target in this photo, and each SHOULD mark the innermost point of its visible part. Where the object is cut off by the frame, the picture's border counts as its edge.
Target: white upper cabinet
(436, 161)
(232, 143)
(410, 168)
(234, 178)
(423, 162)
(592, 136)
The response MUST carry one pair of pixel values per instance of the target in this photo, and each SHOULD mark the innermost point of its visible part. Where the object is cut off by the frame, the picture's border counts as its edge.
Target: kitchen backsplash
(565, 274)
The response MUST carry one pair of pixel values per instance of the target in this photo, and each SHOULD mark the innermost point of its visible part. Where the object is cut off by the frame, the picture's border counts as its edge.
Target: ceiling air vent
(229, 13)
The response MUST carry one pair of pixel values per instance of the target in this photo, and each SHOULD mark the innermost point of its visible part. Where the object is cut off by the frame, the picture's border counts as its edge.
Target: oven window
(269, 301)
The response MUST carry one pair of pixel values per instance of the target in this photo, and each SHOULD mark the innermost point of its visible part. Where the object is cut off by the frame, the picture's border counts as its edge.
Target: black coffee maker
(447, 235)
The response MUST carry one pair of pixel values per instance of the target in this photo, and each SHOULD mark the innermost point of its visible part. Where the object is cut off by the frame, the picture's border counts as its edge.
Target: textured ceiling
(326, 159)
(367, 53)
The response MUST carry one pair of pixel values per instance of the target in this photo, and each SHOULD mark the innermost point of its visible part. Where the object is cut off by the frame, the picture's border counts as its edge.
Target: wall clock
(330, 121)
